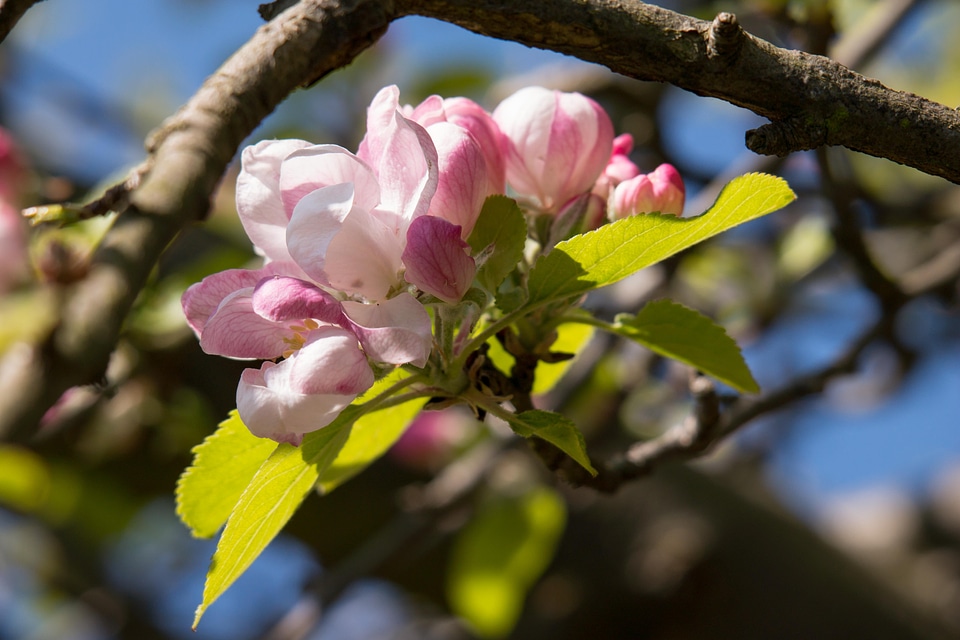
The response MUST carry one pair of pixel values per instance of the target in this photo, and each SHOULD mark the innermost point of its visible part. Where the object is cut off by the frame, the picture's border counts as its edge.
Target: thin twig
(707, 425)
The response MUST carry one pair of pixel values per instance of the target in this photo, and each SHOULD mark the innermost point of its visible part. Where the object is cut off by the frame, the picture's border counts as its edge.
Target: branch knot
(724, 37)
(784, 137)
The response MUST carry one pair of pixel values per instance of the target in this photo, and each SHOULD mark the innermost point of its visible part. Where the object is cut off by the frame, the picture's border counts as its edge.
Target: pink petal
(659, 191)
(236, 331)
(468, 114)
(319, 166)
(272, 403)
(330, 362)
(364, 258)
(462, 185)
(558, 144)
(669, 188)
(317, 218)
(428, 112)
(283, 299)
(395, 331)
(403, 157)
(201, 299)
(258, 195)
(437, 260)
(580, 148)
(525, 119)
(620, 167)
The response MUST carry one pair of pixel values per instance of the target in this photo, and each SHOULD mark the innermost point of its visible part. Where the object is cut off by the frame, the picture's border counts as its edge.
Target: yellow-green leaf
(269, 501)
(371, 436)
(677, 332)
(614, 251)
(223, 465)
(556, 430)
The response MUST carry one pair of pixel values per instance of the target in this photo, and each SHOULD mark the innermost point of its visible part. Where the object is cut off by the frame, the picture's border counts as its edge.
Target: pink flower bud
(619, 168)
(661, 191)
(557, 144)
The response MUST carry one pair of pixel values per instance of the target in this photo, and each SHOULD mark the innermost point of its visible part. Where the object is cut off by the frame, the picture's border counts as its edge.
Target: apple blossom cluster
(357, 246)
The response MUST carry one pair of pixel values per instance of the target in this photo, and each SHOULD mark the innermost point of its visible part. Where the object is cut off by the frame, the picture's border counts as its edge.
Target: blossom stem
(385, 399)
(486, 334)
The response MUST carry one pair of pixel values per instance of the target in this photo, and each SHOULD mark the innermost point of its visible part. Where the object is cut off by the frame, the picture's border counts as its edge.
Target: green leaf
(556, 430)
(612, 252)
(501, 229)
(269, 501)
(371, 436)
(677, 332)
(223, 465)
(500, 554)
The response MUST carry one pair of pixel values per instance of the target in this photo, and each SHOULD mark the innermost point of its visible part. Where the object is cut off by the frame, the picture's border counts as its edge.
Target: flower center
(297, 340)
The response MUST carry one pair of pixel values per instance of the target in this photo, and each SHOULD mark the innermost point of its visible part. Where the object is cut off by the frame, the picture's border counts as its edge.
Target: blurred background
(835, 516)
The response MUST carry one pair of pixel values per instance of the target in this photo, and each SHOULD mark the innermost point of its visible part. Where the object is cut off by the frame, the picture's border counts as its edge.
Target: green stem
(485, 335)
(383, 400)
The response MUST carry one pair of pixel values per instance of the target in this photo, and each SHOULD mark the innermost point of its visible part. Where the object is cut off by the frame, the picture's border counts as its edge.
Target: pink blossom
(557, 144)
(307, 390)
(660, 191)
(266, 316)
(343, 236)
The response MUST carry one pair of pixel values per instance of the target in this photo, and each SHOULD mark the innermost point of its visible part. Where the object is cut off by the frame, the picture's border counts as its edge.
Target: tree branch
(10, 13)
(812, 101)
(707, 425)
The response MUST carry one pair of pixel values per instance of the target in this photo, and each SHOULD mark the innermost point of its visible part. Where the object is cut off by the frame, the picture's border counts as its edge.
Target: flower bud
(557, 144)
(661, 191)
(619, 168)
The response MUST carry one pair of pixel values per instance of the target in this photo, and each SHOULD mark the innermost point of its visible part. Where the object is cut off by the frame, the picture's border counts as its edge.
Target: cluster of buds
(357, 246)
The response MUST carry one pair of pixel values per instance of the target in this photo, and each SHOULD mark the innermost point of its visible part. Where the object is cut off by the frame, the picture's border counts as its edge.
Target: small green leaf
(677, 332)
(614, 251)
(501, 229)
(223, 465)
(500, 554)
(67, 213)
(556, 430)
(269, 501)
(371, 436)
